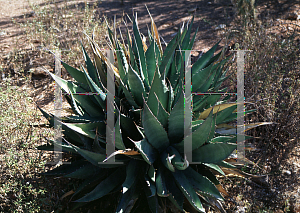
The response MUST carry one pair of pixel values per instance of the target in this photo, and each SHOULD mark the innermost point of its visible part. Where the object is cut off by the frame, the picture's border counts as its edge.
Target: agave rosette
(149, 125)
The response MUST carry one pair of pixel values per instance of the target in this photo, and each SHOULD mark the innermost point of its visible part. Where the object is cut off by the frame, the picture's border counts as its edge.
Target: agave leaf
(224, 114)
(128, 199)
(66, 168)
(201, 77)
(236, 115)
(83, 172)
(161, 183)
(104, 58)
(90, 67)
(75, 108)
(151, 172)
(100, 97)
(176, 196)
(69, 133)
(100, 69)
(150, 191)
(177, 69)
(130, 128)
(128, 95)
(216, 109)
(50, 147)
(166, 159)
(215, 59)
(92, 157)
(188, 190)
(201, 135)
(151, 62)
(154, 131)
(106, 186)
(196, 123)
(178, 162)
(221, 139)
(96, 145)
(95, 158)
(84, 100)
(155, 33)
(159, 88)
(231, 130)
(214, 167)
(209, 101)
(178, 91)
(171, 97)
(75, 73)
(208, 82)
(140, 52)
(81, 119)
(132, 171)
(131, 53)
(147, 151)
(186, 40)
(118, 135)
(203, 61)
(202, 183)
(213, 152)
(176, 121)
(122, 61)
(50, 117)
(220, 75)
(162, 115)
(168, 53)
(86, 129)
(193, 40)
(153, 103)
(225, 164)
(110, 34)
(61, 82)
(136, 86)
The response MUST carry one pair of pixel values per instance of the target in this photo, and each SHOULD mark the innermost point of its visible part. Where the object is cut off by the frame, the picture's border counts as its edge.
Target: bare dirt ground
(214, 19)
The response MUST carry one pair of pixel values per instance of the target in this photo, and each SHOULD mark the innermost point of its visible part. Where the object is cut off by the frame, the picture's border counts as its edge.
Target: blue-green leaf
(213, 153)
(147, 151)
(154, 131)
(100, 96)
(176, 121)
(140, 52)
(106, 186)
(188, 190)
(136, 86)
(203, 61)
(202, 183)
(151, 62)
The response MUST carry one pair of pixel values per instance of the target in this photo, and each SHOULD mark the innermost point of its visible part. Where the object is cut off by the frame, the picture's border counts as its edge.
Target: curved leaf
(106, 186)
(147, 151)
(176, 121)
(202, 183)
(188, 190)
(154, 131)
(213, 153)
(136, 86)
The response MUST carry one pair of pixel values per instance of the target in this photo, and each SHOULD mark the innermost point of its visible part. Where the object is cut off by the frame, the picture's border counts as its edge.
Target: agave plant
(151, 171)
